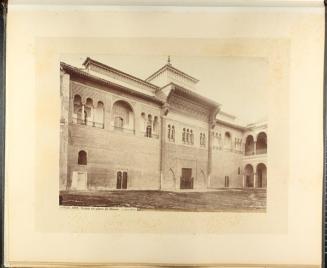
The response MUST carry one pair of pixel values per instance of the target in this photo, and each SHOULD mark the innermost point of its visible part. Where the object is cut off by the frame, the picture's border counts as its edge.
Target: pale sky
(239, 84)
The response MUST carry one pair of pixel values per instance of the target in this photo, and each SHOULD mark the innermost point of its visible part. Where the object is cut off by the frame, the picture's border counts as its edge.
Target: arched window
(89, 112)
(99, 115)
(82, 158)
(184, 135)
(149, 127)
(78, 117)
(169, 132)
(187, 136)
(143, 122)
(202, 139)
(77, 102)
(123, 116)
(148, 132)
(261, 146)
(191, 137)
(249, 145)
(228, 141)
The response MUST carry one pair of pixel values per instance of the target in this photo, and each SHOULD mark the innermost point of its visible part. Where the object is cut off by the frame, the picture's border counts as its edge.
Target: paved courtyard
(220, 200)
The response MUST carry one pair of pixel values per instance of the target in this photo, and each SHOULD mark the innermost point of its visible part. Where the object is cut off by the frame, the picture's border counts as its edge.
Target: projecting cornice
(91, 62)
(92, 78)
(193, 96)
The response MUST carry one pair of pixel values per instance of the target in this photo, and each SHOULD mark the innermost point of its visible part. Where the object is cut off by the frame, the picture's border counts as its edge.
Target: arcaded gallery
(120, 132)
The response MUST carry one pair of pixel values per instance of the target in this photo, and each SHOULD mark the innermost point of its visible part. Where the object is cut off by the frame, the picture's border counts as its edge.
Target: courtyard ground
(220, 200)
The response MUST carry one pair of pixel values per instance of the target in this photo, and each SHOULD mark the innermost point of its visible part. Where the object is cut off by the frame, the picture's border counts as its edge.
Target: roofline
(257, 125)
(77, 71)
(193, 94)
(231, 125)
(227, 114)
(88, 61)
(169, 66)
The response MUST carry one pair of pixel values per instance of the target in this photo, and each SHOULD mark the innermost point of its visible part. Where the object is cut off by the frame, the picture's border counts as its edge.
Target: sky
(239, 84)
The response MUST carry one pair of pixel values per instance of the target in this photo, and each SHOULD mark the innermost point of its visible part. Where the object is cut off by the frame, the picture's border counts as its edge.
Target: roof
(175, 88)
(82, 73)
(88, 61)
(230, 124)
(193, 95)
(168, 66)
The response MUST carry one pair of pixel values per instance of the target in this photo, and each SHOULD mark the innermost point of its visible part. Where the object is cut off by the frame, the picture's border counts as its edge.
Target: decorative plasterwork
(185, 106)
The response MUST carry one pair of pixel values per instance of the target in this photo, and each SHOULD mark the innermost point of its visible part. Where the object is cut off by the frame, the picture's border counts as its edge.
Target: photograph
(162, 140)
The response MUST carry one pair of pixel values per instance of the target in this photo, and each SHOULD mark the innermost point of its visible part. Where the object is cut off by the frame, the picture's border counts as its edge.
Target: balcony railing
(261, 151)
(88, 123)
(125, 130)
(257, 152)
(152, 135)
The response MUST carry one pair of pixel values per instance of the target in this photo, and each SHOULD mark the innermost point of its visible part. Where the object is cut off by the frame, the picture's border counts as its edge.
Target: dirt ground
(220, 200)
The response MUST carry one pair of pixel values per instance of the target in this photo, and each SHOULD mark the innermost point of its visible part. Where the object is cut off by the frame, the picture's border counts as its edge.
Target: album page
(147, 135)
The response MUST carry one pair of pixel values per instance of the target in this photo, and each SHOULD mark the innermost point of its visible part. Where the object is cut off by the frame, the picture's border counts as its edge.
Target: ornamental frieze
(187, 107)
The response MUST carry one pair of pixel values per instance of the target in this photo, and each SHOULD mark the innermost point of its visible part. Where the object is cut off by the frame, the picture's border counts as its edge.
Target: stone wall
(227, 161)
(110, 150)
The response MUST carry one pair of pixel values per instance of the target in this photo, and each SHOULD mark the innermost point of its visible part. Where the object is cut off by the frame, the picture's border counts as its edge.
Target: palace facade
(121, 132)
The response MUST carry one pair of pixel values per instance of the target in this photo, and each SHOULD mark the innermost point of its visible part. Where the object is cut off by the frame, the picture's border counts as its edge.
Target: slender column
(92, 116)
(83, 115)
(254, 180)
(255, 147)
(243, 180)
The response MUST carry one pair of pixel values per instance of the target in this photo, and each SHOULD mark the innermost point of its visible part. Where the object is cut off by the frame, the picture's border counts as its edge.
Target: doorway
(121, 180)
(186, 179)
(79, 181)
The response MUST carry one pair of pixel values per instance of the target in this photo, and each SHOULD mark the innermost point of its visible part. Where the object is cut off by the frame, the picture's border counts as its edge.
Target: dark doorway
(186, 179)
(259, 173)
(249, 181)
(124, 183)
(121, 180)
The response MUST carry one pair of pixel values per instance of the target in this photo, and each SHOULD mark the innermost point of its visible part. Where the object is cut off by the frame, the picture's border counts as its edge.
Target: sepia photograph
(164, 136)
(163, 139)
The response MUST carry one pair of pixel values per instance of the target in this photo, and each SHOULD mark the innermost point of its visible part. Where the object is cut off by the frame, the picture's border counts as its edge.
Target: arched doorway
(261, 147)
(249, 176)
(261, 176)
(249, 145)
